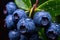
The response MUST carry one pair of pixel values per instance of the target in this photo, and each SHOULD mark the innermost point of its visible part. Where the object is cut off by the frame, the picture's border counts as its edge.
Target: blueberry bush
(33, 19)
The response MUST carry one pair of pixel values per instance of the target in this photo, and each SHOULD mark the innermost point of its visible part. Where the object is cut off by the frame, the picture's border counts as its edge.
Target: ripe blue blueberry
(59, 28)
(34, 37)
(9, 22)
(22, 37)
(26, 25)
(53, 31)
(31, 37)
(27, 28)
(10, 7)
(14, 35)
(18, 14)
(42, 18)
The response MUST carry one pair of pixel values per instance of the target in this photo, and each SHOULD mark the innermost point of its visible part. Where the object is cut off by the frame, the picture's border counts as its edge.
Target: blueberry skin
(29, 29)
(20, 14)
(42, 18)
(10, 7)
(22, 37)
(34, 37)
(53, 31)
(9, 22)
(59, 28)
(27, 23)
(14, 35)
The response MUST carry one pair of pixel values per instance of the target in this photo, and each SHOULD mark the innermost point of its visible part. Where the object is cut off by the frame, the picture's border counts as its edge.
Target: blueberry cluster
(21, 27)
(44, 19)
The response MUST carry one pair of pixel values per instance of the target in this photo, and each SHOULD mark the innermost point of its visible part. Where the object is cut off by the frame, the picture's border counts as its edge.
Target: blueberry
(14, 35)
(27, 28)
(53, 31)
(18, 14)
(31, 37)
(34, 37)
(10, 7)
(26, 25)
(23, 37)
(9, 22)
(59, 28)
(42, 18)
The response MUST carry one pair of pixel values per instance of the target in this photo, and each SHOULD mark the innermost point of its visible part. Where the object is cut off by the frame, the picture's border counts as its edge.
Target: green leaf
(39, 1)
(24, 4)
(52, 6)
(41, 32)
(58, 19)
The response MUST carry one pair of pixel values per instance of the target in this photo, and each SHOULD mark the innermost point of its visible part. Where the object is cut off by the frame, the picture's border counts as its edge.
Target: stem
(33, 8)
(36, 4)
